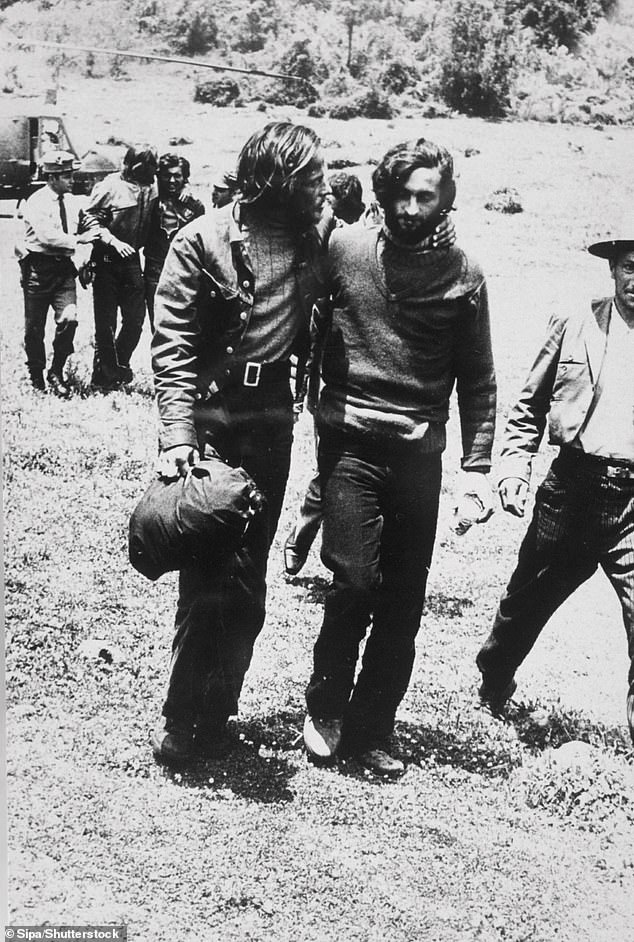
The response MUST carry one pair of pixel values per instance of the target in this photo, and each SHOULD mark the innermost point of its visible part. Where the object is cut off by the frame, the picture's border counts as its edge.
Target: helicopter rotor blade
(157, 58)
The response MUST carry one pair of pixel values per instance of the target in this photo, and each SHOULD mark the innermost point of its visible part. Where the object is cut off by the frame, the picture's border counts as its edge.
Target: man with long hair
(408, 321)
(232, 306)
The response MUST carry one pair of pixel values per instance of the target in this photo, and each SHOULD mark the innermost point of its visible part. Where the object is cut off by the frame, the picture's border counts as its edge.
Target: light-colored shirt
(126, 206)
(43, 230)
(609, 428)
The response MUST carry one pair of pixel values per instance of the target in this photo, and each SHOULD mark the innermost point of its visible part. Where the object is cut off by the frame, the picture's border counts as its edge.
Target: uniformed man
(51, 220)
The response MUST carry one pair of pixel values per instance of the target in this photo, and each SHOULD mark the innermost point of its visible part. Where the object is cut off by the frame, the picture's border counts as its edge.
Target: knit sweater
(392, 355)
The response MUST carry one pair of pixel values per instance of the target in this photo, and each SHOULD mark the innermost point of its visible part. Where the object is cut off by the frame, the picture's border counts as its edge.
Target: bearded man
(408, 321)
(232, 306)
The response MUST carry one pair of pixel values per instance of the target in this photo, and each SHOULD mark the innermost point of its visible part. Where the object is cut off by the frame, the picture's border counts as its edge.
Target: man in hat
(409, 320)
(51, 220)
(582, 385)
(232, 306)
(122, 204)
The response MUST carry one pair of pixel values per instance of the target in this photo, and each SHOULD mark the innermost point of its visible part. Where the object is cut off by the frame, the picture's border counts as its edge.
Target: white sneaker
(322, 737)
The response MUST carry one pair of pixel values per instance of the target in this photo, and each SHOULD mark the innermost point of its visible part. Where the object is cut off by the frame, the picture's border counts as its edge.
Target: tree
(355, 12)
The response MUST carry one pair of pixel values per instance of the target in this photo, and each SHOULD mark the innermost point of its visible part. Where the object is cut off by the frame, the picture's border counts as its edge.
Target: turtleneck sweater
(408, 323)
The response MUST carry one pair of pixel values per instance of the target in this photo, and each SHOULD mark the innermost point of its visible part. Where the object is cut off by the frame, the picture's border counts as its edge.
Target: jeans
(380, 515)
(582, 519)
(48, 281)
(221, 609)
(309, 516)
(118, 284)
(151, 275)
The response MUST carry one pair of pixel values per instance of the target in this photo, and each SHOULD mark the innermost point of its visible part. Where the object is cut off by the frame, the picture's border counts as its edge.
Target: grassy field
(491, 834)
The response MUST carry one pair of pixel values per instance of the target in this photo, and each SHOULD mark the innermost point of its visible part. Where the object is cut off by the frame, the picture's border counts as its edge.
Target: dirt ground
(484, 837)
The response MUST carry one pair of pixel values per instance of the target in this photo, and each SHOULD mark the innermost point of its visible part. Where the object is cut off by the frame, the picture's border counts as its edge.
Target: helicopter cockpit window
(52, 135)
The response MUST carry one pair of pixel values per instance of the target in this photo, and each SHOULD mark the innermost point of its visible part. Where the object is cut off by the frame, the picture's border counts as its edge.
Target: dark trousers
(309, 516)
(48, 282)
(380, 515)
(582, 519)
(151, 275)
(221, 610)
(118, 285)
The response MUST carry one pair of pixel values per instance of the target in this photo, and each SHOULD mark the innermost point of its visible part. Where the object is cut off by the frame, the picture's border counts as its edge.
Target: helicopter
(25, 136)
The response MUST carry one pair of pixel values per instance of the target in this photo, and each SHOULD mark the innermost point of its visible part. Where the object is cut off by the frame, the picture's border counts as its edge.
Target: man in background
(122, 204)
(52, 223)
(582, 386)
(175, 207)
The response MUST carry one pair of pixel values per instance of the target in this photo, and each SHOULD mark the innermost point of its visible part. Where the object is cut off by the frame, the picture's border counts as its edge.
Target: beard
(411, 233)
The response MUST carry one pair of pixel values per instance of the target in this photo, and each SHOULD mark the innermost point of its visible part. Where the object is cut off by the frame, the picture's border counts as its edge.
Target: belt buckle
(252, 373)
(619, 471)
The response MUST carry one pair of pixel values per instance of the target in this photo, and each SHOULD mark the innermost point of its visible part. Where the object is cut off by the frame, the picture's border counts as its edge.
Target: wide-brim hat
(617, 241)
(58, 161)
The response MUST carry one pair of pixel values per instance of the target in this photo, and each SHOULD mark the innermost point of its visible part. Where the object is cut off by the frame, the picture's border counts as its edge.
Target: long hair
(140, 157)
(166, 161)
(272, 160)
(400, 162)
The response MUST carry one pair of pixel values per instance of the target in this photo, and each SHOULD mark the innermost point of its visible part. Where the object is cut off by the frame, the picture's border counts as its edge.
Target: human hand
(444, 235)
(475, 501)
(176, 462)
(122, 248)
(513, 493)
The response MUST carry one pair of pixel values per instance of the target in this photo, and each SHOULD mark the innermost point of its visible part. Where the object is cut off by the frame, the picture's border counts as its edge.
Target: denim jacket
(203, 308)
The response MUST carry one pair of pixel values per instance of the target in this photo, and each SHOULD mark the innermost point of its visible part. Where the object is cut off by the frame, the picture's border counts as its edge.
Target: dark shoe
(37, 380)
(125, 375)
(213, 742)
(57, 383)
(381, 763)
(322, 738)
(172, 741)
(105, 383)
(493, 697)
(630, 712)
(294, 560)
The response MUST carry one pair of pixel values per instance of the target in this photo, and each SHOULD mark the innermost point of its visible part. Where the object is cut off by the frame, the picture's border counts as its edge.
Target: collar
(423, 246)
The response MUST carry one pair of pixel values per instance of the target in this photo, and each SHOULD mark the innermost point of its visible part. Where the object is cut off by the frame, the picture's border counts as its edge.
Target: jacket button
(229, 349)
(243, 315)
(212, 294)
(246, 283)
(198, 395)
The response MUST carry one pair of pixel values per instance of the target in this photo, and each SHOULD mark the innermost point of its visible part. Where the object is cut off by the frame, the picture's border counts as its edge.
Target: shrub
(189, 30)
(561, 22)
(345, 109)
(254, 25)
(479, 67)
(396, 77)
(220, 92)
(299, 60)
(366, 104)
